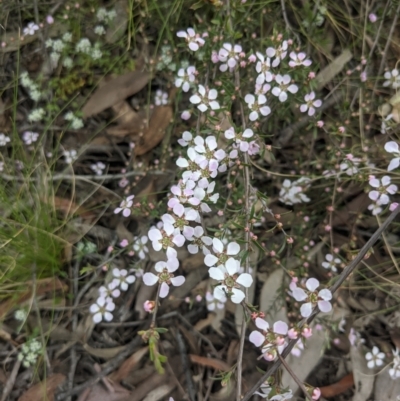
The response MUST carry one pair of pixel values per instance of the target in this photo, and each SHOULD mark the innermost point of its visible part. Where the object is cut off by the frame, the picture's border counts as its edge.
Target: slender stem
(295, 378)
(343, 276)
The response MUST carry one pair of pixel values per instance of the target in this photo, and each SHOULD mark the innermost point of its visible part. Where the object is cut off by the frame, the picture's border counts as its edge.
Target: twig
(295, 378)
(288, 25)
(109, 367)
(185, 366)
(343, 276)
(11, 380)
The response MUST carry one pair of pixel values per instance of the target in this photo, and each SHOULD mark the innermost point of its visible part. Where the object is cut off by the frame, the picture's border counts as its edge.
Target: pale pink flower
(125, 206)
(257, 106)
(102, 309)
(205, 99)
(193, 40)
(285, 85)
(229, 56)
(312, 298)
(298, 59)
(310, 104)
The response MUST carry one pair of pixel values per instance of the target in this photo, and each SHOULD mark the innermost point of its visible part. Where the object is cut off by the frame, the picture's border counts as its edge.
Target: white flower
(263, 67)
(221, 255)
(122, 279)
(394, 372)
(67, 37)
(161, 98)
(4, 139)
(139, 246)
(393, 147)
(298, 59)
(284, 86)
(98, 168)
(83, 46)
(187, 139)
(185, 79)
(30, 29)
(36, 115)
(205, 99)
(76, 123)
(208, 156)
(125, 206)
(193, 40)
(311, 104)
(282, 395)
(213, 303)
(350, 165)
(199, 240)
(257, 106)
(70, 156)
(96, 53)
(166, 237)
(230, 280)
(99, 30)
(393, 79)
(229, 56)
(292, 192)
(20, 315)
(164, 276)
(383, 189)
(110, 290)
(272, 340)
(331, 262)
(374, 358)
(279, 53)
(29, 137)
(102, 309)
(58, 45)
(312, 298)
(240, 138)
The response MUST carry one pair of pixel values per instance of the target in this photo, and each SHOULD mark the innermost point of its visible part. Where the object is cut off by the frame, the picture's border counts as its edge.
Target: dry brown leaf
(69, 207)
(329, 72)
(363, 377)
(104, 353)
(203, 323)
(340, 387)
(128, 365)
(99, 393)
(114, 91)
(44, 390)
(128, 120)
(154, 134)
(210, 362)
(160, 392)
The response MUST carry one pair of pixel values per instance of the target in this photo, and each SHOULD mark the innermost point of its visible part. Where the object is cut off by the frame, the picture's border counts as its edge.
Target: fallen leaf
(128, 365)
(363, 376)
(43, 390)
(386, 388)
(100, 393)
(329, 72)
(270, 292)
(159, 392)
(338, 388)
(210, 362)
(153, 135)
(114, 91)
(104, 353)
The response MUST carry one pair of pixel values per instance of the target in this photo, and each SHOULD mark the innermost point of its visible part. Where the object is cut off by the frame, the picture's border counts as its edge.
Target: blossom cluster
(29, 352)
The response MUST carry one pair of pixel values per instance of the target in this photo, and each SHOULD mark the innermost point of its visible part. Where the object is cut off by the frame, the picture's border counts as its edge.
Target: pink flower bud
(149, 306)
(214, 57)
(252, 58)
(293, 334)
(307, 332)
(320, 124)
(185, 115)
(316, 394)
(50, 19)
(372, 17)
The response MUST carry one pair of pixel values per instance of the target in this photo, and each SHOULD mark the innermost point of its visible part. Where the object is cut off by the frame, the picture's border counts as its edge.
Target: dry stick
(11, 380)
(343, 276)
(295, 378)
(247, 231)
(382, 65)
(185, 366)
(109, 367)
